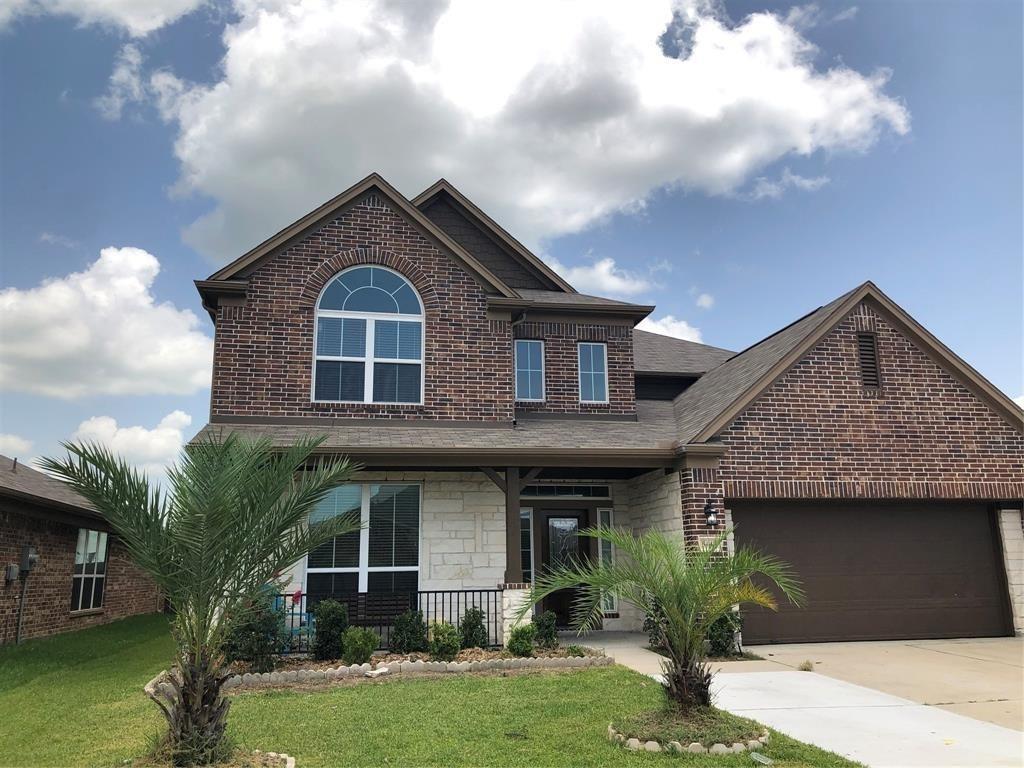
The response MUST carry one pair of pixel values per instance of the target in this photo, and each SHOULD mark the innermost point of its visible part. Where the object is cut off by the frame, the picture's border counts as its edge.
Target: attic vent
(867, 352)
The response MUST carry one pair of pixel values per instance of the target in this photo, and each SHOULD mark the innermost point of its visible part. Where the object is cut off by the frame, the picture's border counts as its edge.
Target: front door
(561, 544)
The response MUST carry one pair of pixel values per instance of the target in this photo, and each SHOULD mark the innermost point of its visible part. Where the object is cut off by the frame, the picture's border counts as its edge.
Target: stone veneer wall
(128, 591)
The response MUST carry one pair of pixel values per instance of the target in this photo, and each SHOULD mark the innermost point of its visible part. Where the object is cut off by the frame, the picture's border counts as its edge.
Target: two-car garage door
(878, 570)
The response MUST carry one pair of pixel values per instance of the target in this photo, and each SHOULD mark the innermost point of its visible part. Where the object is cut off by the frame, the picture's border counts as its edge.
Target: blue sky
(187, 158)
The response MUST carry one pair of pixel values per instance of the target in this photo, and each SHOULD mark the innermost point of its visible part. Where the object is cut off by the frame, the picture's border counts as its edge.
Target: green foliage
(331, 621)
(409, 634)
(689, 588)
(520, 642)
(358, 643)
(654, 626)
(576, 650)
(722, 635)
(547, 632)
(444, 641)
(257, 635)
(472, 629)
(232, 515)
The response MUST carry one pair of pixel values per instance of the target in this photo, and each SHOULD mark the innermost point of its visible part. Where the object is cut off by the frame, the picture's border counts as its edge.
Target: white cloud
(52, 238)
(151, 450)
(552, 116)
(705, 301)
(101, 331)
(1019, 400)
(14, 445)
(670, 325)
(602, 278)
(137, 17)
(804, 17)
(125, 86)
(774, 188)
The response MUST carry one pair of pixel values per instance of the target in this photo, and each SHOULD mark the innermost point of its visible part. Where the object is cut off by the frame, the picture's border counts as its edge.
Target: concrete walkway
(865, 723)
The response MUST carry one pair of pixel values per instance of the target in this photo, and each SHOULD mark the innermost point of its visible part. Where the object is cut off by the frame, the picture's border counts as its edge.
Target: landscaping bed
(700, 730)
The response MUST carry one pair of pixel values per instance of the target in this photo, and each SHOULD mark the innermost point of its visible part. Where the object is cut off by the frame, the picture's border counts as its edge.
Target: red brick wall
(818, 433)
(48, 599)
(264, 350)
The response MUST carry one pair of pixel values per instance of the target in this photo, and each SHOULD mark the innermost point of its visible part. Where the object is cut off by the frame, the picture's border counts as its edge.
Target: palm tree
(233, 516)
(689, 588)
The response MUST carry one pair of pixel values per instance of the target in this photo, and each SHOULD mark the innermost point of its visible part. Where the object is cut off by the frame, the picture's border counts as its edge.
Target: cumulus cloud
(151, 450)
(125, 86)
(101, 332)
(804, 17)
(774, 188)
(136, 17)
(705, 301)
(602, 278)
(573, 112)
(14, 445)
(670, 325)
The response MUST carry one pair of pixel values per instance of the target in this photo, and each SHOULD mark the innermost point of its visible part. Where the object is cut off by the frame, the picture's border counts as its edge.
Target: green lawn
(76, 700)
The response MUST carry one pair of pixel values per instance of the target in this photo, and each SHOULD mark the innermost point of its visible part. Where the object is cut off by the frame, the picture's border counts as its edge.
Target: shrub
(257, 635)
(472, 630)
(722, 635)
(575, 650)
(358, 645)
(547, 633)
(520, 642)
(444, 641)
(409, 633)
(654, 626)
(331, 623)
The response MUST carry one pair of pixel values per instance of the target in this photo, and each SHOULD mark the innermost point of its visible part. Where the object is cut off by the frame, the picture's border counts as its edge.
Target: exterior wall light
(710, 514)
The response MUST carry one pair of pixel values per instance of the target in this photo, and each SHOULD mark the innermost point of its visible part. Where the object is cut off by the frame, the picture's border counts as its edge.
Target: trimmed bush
(472, 630)
(444, 642)
(575, 650)
(722, 635)
(331, 623)
(520, 642)
(409, 634)
(257, 635)
(358, 645)
(654, 626)
(547, 632)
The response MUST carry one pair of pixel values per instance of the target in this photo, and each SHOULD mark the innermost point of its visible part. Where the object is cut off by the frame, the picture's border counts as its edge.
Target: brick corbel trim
(787, 489)
(371, 255)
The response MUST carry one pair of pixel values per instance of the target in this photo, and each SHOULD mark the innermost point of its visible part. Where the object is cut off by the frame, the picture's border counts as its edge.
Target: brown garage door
(879, 570)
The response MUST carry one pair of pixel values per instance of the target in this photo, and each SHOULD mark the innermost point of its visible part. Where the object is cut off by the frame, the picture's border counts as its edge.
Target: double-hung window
(90, 574)
(369, 339)
(383, 556)
(593, 366)
(529, 370)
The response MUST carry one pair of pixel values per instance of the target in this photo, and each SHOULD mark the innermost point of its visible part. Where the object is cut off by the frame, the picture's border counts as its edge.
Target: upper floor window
(529, 370)
(369, 339)
(593, 372)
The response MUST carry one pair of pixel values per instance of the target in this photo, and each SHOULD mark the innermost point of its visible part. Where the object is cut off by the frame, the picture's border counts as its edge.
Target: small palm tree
(688, 588)
(233, 516)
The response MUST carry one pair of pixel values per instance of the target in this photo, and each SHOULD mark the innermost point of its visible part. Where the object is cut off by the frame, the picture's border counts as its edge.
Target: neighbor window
(381, 557)
(593, 373)
(369, 339)
(529, 370)
(90, 574)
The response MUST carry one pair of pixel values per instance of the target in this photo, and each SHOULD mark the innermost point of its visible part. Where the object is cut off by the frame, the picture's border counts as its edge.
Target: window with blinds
(867, 353)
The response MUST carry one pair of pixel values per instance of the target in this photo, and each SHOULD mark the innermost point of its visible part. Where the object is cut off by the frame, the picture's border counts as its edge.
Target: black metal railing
(378, 610)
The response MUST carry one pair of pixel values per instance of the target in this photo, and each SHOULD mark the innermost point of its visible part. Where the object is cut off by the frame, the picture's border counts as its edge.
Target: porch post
(513, 561)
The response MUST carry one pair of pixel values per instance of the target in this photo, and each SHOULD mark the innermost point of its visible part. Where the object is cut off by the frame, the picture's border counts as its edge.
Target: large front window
(381, 557)
(369, 339)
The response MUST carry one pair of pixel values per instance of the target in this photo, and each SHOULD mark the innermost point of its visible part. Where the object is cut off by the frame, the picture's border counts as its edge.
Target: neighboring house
(82, 575)
(497, 412)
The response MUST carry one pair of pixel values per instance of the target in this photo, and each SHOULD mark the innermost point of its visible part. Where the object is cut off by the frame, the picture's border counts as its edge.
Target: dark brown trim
(475, 457)
(327, 421)
(528, 415)
(513, 527)
(30, 505)
(633, 311)
(495, 478)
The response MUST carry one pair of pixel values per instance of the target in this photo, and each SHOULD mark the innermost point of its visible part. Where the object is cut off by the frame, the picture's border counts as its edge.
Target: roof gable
(20, 481)
(245, 264)
(707, 407)
(442, 193)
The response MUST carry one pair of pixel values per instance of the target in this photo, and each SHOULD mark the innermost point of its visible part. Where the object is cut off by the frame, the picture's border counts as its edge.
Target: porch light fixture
(710, 514)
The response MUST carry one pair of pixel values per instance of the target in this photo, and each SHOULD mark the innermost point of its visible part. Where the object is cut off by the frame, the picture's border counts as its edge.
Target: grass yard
(76, 700)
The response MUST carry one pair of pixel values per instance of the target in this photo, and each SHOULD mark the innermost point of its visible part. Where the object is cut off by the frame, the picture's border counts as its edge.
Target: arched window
(369, 339)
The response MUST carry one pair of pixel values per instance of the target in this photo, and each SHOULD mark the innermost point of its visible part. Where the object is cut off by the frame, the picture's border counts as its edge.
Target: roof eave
(635, 311)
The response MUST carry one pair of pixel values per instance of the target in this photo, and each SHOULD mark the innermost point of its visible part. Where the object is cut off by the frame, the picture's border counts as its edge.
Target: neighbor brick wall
(48, 599)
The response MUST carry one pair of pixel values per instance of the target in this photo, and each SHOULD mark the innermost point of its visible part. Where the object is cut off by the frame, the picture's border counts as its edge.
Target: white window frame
(515, 371)
(610, 603)
(364, 569)
(369, 359)
(579, 369)
(102, 538)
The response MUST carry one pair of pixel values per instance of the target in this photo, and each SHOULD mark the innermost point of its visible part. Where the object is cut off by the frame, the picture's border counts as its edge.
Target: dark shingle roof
(654, 353)
(27, 483)
(709, 397)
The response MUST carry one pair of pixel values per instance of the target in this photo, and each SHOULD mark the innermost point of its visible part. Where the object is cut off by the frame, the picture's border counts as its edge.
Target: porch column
(513, 561)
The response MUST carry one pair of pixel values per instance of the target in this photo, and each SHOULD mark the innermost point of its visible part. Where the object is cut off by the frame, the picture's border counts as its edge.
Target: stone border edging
(257, 679)
(697, 748)
(287, 761)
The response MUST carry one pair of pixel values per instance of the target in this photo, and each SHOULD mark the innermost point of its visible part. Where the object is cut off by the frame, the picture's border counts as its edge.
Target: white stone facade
(1011, 530)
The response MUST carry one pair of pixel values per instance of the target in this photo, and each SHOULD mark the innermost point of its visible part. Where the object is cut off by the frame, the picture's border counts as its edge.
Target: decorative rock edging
(285, 761)
(289, 676)
(697, 748)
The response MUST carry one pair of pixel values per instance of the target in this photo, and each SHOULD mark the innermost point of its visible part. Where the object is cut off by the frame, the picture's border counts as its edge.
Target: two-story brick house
(497, 411)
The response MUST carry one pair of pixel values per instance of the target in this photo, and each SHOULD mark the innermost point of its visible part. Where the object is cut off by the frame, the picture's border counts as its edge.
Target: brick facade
(48, 598)
(263, 353)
